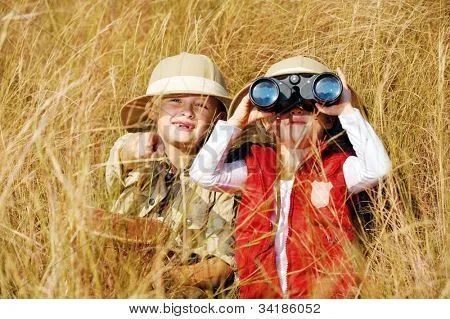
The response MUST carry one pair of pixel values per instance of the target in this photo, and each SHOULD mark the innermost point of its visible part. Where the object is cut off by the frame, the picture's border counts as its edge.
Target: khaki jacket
(202, 219)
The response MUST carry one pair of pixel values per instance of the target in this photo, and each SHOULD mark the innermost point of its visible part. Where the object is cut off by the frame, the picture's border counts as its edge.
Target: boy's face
(185, 119)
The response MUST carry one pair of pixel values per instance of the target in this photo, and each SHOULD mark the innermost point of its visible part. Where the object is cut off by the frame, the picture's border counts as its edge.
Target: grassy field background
(67, 66)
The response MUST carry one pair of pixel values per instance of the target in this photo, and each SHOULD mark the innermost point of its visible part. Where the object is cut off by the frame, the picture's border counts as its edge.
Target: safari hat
(297, 64)
(184, 73)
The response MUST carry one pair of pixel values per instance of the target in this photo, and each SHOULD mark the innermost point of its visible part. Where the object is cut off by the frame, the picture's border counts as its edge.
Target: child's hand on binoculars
(344, 105)
(246, 114)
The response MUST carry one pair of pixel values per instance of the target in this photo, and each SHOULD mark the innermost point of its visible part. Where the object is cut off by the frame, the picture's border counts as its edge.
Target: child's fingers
(246, 101)
(142, 145)
(342, 77)
(258, 115)
(160, 148)
(321, 108)
(265, 115)
(152, 141)
(157, 149)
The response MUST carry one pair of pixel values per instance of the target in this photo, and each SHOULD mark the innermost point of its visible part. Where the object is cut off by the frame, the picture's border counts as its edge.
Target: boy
(188, 94)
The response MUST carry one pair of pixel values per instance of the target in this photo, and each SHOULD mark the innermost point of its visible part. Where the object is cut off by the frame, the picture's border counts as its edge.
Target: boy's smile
(185, 125)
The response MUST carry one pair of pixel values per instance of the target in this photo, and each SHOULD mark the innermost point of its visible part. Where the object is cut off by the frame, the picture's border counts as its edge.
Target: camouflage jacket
(202, 219)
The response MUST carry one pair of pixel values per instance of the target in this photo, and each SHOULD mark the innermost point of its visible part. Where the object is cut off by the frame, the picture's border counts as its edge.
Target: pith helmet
(184, 73)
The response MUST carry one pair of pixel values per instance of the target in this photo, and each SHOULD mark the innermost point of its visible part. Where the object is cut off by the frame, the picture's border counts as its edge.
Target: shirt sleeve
(371, 162)
(114, 174)
(209, 169)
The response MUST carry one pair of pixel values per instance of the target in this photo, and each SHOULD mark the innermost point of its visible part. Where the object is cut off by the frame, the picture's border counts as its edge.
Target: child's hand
(141, 146)
(246, 114)
(344, 105)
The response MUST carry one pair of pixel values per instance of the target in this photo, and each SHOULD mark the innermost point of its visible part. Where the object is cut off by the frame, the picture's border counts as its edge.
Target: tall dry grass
(67, 66)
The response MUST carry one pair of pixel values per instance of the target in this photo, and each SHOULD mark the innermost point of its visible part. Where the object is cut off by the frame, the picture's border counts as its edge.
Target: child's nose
(188, 110)
(297, 111)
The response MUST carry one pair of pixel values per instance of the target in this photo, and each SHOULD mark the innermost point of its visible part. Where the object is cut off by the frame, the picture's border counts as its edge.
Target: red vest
(319, 230)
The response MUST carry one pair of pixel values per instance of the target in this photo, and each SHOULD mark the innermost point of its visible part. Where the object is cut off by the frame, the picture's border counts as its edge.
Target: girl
(294, 231)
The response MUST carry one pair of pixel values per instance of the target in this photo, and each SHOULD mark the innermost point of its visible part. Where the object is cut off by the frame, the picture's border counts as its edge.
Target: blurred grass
(67, 66)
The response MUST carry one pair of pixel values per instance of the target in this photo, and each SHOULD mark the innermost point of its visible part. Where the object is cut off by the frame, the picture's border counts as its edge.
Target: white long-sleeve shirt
(362, 171)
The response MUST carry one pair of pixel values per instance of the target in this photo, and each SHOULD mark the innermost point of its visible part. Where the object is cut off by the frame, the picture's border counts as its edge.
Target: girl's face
(299, 129)
(185, 119)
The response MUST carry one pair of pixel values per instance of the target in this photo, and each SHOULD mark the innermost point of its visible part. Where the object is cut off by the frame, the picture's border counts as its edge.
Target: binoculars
(281, 93)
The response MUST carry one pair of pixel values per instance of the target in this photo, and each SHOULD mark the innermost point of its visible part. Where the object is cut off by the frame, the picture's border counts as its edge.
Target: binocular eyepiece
(281, 93)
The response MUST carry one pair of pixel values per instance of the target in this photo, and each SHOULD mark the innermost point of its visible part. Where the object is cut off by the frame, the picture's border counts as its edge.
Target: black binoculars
(281, 93)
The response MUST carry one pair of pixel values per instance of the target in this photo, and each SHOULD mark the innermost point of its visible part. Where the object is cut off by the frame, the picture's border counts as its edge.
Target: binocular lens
(328, 88)
(264, 93)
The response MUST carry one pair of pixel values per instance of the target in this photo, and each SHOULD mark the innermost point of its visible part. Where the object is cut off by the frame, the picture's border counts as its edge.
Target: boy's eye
(201, 105)
(176, 100)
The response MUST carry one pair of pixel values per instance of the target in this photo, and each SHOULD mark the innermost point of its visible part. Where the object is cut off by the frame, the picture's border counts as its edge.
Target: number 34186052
(289, 308)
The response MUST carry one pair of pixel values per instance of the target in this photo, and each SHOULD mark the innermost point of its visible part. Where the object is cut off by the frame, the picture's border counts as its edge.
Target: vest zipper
(289, 218)
(285, 294)
(284, 244)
